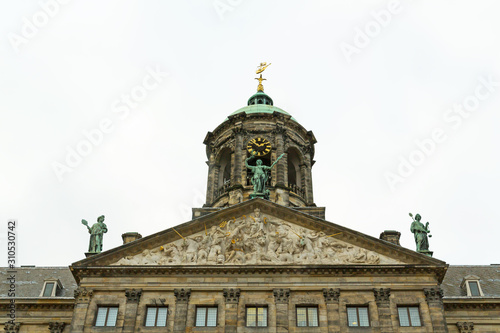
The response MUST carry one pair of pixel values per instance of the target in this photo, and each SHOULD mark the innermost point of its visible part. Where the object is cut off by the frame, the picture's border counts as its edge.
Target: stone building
(257, 263)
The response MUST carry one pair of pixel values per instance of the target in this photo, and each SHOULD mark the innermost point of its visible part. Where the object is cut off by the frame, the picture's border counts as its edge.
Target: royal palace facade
(259, 256)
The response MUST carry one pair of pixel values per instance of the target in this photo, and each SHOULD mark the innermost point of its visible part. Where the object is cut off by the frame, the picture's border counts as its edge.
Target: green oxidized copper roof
(261, 108)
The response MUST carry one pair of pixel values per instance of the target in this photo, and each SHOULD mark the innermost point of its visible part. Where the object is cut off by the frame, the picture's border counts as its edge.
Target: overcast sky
(104, 106)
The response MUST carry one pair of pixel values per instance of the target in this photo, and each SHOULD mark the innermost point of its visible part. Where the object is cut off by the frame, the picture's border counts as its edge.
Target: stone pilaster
(181, 307)
(212, 180)
(12, 328)
(308, 187)
(82, 300)
(281, 297)
(332, 309)
(56, 327)
(231, 297)
(239, 157)
(281, 167)
(465, 327)
(434, 298)
(382, 298)
(133, 298)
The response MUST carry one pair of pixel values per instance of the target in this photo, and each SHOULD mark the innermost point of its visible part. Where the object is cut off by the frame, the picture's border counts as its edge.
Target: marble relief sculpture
(256, 240)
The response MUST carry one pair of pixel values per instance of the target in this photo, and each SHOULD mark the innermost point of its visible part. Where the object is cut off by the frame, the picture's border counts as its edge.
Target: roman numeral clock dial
(259, 147)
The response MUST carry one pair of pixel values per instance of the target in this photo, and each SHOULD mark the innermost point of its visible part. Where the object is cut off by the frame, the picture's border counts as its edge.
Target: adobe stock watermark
(95, 136)
(222, 7)
(31, 26)
(364, 36)
(453, 118)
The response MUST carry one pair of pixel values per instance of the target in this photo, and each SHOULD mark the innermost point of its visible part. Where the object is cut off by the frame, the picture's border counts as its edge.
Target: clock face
(259, 147)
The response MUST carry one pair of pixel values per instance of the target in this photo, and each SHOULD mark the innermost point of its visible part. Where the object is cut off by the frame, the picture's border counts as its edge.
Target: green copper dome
(260, 103)
(261, 108)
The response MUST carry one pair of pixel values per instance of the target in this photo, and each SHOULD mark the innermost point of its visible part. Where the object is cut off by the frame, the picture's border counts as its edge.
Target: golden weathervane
(262, 67)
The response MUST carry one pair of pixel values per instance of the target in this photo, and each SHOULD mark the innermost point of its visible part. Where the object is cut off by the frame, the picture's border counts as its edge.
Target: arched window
(293, 167)
(225, 168)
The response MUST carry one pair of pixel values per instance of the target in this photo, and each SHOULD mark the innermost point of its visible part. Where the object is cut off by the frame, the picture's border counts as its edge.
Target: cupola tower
(260, 131)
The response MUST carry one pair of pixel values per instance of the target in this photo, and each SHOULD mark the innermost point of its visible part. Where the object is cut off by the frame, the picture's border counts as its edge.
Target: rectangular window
(206, 316)
(49, 286)
(156, 316)
(409, 316)
(256, 316)
(106, 316)
(357, 316)
(307, 316)
(474, 288)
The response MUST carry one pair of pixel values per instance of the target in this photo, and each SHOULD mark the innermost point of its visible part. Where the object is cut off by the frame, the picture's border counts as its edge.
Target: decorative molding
(202, 270)
(12, 328)
(465, 327)
(382, 295)
(133, 295)
(82, 295)
(467, 306)
(331, 295)
(56, 327)
(231, 295)
(182, 295)
(433, 295)
(281, 295)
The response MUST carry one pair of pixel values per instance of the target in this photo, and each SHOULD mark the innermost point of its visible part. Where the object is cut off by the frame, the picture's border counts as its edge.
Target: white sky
(150, 169)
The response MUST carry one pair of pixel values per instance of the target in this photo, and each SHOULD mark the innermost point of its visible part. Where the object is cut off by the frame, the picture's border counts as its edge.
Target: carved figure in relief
(191, 247)
(255, 240)
(172, 254)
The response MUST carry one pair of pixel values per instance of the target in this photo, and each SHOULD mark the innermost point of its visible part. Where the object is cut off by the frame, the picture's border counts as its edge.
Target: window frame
(107, 306)
(256, 306)
(156, 316)
(469, 291)
(206, 307)
(407, 307)
(364, 306)
(57, 287)
(306, 306)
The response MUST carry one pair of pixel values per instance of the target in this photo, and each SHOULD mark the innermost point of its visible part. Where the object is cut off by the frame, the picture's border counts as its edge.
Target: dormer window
(472, 286)
(51, 288)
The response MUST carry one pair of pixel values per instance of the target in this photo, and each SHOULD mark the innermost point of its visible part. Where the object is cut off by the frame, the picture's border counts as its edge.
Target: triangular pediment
(258, 232)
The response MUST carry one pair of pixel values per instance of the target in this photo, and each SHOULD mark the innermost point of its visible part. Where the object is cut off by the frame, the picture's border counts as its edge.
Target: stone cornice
(471, 303)
(214, 270)
(21, 305)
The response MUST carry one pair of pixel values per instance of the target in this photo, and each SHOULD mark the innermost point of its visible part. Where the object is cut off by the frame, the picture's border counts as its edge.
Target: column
(332, 309)
(382, 298)
(281, 167)
(231, 297)
(56, 327)
(434, 298)
(181, 307)
(465, 327)
(238, 156)
(12, 328)
(133, 298)
(281, 297)
(211, 181)
(82, 301)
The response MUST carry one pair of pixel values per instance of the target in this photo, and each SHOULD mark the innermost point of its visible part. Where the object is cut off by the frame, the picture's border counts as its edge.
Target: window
(256, 316)
(409, 316)
(307, 316)
(106, 316)
(474, 288)
(471, 285)
(357, 316)
(51, 288)
(156, 316)
(206, 316)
